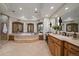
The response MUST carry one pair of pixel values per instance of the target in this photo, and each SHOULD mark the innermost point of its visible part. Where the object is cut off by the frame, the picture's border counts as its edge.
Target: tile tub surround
(68, 39)
(38, 48)
(25, 37)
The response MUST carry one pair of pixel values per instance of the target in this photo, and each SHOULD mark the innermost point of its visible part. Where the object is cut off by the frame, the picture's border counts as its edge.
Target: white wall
(24, 26)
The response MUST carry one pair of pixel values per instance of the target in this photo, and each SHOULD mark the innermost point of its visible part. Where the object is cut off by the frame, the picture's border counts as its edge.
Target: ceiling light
(20, 8)
(35, 9)
(51, 7)
(66, 8)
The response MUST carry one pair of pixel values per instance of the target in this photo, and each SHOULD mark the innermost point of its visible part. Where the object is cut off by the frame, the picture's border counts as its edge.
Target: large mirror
(72, 27)
(40, 27)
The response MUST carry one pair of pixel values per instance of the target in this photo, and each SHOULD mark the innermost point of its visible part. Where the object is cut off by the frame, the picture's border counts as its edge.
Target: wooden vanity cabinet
(59, 47)
(70, 49)
(55, 46)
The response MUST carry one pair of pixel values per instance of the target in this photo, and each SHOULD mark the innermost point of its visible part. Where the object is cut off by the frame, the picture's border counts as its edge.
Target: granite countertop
(67, 39)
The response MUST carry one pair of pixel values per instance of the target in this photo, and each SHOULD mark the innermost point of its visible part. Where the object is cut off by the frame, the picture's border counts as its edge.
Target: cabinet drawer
(65, 44)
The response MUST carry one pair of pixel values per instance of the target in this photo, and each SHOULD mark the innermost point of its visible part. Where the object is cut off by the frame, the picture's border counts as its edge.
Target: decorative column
(25, 27)
(35, 27)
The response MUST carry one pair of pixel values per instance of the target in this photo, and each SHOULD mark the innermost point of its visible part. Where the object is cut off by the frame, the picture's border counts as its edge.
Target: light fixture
(35, 9)
(66, 8)
(58, 18)
(51, 7)
(20, 8)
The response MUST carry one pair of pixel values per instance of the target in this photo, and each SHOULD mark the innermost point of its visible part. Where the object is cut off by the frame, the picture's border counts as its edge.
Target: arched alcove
(17, 27)
(30, 27)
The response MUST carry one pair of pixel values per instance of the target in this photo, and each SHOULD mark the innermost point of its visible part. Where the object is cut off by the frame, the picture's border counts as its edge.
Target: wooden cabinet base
(62, 48)
(55, 46)
(11, 37)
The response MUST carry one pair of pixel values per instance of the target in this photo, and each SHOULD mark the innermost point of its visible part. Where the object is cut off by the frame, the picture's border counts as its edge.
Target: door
(30, 27)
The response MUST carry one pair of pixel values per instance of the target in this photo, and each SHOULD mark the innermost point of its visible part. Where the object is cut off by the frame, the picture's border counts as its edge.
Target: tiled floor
(38, 48)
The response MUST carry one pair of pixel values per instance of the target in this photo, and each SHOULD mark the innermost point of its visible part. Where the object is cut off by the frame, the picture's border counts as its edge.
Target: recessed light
(20, 8)
(35, 9)
(66, 8)
(51, 7)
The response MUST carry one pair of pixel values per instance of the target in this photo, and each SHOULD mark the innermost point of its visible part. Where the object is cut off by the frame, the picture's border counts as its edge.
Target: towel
(5, 29)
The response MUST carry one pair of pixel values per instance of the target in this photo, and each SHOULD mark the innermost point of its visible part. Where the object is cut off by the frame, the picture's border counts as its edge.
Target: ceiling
(28, 12)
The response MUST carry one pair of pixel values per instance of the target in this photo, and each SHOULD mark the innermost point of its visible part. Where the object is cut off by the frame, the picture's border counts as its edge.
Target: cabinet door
(70, 53)
(57, 50)
(51, 45)
(65, 52)
(52, 48)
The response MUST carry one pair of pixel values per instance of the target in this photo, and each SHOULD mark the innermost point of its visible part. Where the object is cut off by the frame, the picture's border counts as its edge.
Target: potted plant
(56, 28)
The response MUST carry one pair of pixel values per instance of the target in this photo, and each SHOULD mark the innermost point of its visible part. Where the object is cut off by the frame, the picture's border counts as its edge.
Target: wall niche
(17, 27)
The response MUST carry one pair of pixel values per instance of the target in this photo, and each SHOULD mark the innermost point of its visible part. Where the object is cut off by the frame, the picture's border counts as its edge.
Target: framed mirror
(72, 27)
